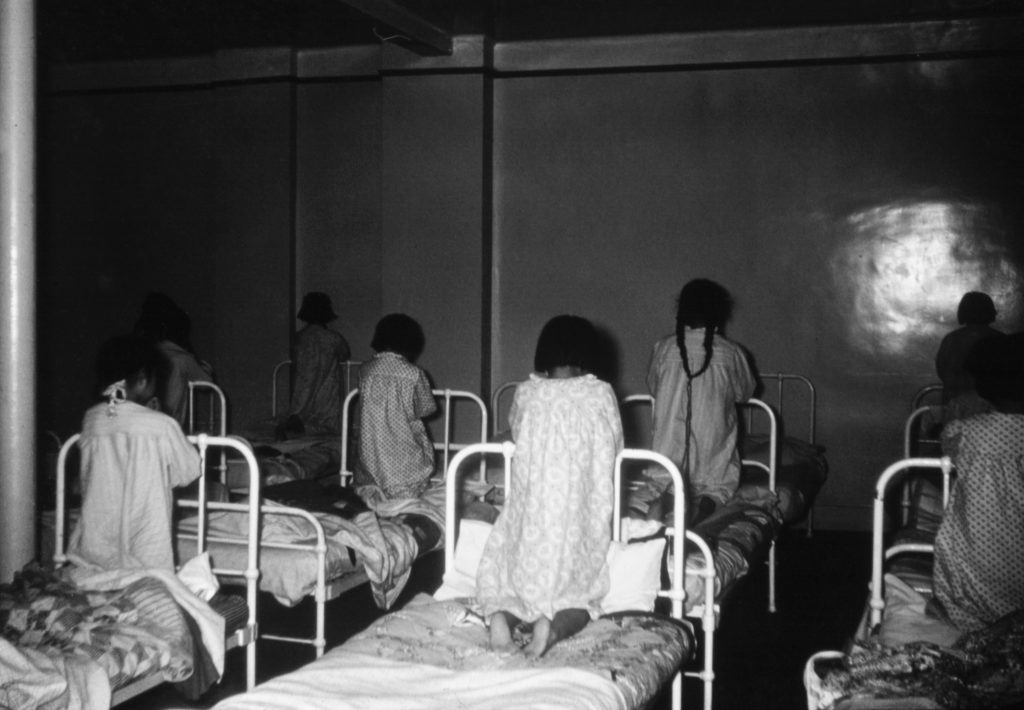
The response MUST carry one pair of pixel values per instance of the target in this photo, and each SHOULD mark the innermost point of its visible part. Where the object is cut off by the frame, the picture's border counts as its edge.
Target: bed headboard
(879, 554)
(350, 373)
(787, 385)
(446, 399)
(673, 588)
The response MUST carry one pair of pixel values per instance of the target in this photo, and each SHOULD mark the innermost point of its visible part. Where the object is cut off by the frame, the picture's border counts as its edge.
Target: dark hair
(125, 357)
(566, 341)
(702, 304)
(316, 308)
(163, 319)
(997, 365)
(976, 308)
(398, 333)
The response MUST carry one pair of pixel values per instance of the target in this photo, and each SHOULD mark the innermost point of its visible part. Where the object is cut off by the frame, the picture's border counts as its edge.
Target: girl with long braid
(697, 377)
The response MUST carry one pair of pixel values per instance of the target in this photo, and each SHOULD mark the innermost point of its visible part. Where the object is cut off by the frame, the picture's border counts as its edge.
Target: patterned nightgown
(979, 550)
(548, 548)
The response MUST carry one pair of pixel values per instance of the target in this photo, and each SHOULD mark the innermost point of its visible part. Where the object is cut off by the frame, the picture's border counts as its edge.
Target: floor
(821, 591)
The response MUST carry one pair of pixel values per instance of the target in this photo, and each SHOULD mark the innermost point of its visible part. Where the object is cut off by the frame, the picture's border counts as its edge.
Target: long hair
(702, 304)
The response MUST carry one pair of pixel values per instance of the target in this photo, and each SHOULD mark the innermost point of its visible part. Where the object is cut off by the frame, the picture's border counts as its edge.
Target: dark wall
(182, 190)
(847, 208)
(338, 203)
(126, 206)
(846, 205)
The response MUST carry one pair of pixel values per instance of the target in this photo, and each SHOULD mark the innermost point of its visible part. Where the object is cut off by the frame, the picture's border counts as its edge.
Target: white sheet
(352, 681)
(31, 679)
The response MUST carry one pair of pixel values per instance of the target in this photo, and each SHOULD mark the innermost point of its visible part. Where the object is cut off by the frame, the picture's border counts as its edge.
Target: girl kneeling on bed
(544, 562)
(133, 455)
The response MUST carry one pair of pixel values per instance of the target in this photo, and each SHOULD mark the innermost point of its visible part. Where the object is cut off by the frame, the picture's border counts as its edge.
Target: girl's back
(548, 548)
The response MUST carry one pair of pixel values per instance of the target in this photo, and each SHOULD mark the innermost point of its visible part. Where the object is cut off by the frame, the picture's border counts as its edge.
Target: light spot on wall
(903, 267)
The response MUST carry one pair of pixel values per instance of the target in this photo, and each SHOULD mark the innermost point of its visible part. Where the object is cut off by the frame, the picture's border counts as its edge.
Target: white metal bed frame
(445, 447)
(755, 405)
(248, 635)
(325, 589)
(881, 554)
(910, 428)
(218, 413)
(347, 365)
(706, 613)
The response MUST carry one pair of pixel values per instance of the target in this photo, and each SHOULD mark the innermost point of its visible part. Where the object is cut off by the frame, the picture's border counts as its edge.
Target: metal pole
(17, 286)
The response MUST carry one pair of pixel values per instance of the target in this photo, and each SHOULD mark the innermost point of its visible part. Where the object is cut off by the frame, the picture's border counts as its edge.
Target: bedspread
(416, 657)
(738, 533)
(982, 669)
(384, 547)
(56, 628)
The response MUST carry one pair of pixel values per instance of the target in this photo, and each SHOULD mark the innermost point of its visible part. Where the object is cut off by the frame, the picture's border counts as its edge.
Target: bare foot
(541, 641)
(567, 622)
(501, 633)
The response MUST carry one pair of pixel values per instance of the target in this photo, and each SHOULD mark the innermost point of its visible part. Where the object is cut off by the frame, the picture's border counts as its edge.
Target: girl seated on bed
(132, 455)
(544, 562)
(697, 377)
(979, 549)
(396, 456)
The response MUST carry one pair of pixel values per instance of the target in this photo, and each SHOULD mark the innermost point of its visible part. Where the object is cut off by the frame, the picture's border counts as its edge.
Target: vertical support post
(17, 286)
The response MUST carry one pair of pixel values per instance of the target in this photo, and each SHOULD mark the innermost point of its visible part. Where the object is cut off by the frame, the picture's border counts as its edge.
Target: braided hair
(702, 304)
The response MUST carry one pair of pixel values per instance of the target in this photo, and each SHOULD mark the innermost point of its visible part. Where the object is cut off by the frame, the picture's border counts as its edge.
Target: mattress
(419, 657)
(918, 660)
(52, 628)
(376, 546)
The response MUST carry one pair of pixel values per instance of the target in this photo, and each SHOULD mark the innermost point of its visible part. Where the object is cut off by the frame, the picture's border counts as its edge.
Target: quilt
(51, 627)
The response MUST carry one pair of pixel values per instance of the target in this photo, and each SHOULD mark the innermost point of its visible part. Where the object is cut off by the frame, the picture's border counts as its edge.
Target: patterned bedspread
(416, 657)
(982, 669)
(128, 633)
(738, 534)
(379, 544)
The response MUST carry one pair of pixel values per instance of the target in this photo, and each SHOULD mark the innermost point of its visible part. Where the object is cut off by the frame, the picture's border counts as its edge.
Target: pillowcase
(469, 548)
(197, 575)
(634, 568)
(905, 620)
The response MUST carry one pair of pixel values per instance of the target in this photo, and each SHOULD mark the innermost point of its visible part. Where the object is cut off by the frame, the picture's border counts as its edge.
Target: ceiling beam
(412, 27)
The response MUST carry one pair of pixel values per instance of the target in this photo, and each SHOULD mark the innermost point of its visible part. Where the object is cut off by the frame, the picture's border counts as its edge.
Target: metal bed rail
(445, 447)
(879, 553)
(248, 635)
(751, 406)
(497, 398)
(218, 412)
(347, 365)
(676, 592)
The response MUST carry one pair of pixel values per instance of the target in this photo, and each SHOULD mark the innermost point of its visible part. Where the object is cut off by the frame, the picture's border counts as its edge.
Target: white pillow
(635, 570)
(197, 575)
(461, 581)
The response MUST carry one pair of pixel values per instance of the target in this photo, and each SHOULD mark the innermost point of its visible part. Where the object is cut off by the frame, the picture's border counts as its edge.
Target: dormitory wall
(845, 205)
(182, 189)
(338, 203)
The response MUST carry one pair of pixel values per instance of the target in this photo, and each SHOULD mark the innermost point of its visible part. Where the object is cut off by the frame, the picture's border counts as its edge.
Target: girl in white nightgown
(544, 562)
(133, 455)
